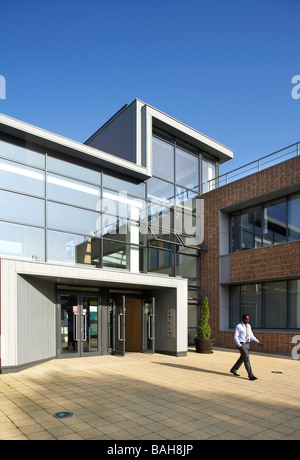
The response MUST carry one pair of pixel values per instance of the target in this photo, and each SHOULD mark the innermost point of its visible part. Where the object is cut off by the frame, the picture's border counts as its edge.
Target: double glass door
(78, 324)
(123, 326)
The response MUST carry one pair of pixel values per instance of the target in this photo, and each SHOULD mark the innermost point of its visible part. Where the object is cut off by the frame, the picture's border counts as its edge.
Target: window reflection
(274, 230)
(24, 155)
(294, 217)
(187, 267)
(130, 188)
(163, 159)
(294, 303)
(72, 170)
(208, 173)
(251, 229)
(160, 191)
(115, 255)
(74, 220)
(160, 261)
(274, 294)
(187, 169)
(271, 305)
(73, 249)
(119, 204)
(22, 178)
(22, 208)
(73, 192)
(22, 241)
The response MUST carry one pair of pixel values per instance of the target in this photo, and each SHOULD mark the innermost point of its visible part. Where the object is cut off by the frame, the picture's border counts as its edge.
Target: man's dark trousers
(244, 358)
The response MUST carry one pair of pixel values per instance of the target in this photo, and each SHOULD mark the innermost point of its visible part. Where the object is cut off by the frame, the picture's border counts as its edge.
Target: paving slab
(153, 397)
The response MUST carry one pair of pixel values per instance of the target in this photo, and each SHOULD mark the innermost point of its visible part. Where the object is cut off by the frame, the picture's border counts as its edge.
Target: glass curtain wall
(62, 212)
(180, 175)
(57, 211)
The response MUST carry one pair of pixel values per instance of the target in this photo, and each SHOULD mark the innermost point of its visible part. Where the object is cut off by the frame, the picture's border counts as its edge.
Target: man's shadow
(197, 369)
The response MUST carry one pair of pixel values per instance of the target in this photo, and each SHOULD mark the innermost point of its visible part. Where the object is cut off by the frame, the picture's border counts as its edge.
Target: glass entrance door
(149, 325)
(117, 325)
(78, 324)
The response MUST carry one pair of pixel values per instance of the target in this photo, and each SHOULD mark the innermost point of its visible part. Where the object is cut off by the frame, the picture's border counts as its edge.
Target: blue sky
(223, 67)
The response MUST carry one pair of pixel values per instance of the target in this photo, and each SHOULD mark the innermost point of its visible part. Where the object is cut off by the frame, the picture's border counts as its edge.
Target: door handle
(119, 327)
(75, 324)
(85, 329)
(150, 323)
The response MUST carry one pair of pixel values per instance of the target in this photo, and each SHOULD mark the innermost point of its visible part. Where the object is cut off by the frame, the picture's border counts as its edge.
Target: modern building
(106, 247)
(98, 244)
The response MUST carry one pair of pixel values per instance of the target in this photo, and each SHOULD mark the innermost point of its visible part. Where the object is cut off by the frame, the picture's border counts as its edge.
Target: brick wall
(278, 261)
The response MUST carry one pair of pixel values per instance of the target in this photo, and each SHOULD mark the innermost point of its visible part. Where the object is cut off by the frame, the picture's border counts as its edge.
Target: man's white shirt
(240, 334)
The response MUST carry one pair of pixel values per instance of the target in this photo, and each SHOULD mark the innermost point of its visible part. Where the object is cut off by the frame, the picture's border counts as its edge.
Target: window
(72, 170)
(163, 159)
(21, 154)
(22, 241)
(187, 169)
(275, 308)
(73, 192)
(271, 305)
(208, 173)
(121, 185)
(22, 208)
(73, 220)
(160, 191)
(21, 178)
(160, 261)
(251, 229)
(294, 218)
(271, 223)
(294, 303)
(274, 226)
(251, 303)
(73, 249)
(187, 267)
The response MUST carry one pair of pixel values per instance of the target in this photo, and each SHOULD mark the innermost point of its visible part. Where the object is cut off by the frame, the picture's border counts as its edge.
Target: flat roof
(188, 134)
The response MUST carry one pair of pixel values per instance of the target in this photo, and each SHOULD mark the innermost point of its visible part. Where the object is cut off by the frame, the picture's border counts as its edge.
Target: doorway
(78, 328)
(132, 325)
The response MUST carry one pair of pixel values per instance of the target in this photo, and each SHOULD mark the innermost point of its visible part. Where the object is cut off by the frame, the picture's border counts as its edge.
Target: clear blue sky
(223, 67)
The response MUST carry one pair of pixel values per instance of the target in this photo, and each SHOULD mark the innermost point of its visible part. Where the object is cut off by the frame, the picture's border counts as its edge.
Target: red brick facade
(273, 262)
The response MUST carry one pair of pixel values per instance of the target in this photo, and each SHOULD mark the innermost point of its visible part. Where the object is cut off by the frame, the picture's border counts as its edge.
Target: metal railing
(255, 166)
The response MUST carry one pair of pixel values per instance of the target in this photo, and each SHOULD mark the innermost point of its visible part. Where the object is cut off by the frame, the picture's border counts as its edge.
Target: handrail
(253, 166)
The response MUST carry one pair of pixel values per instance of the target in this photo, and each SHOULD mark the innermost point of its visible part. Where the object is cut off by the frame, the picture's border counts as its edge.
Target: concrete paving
(153, 397)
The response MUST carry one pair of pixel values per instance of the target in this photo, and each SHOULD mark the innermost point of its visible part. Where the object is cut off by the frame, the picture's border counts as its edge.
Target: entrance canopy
(29, 304)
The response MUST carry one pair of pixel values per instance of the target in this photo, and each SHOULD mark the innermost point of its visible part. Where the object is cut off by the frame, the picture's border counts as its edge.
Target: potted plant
(203, 341)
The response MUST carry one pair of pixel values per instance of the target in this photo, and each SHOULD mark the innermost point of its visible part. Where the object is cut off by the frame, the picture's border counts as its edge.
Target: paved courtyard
(154, 397)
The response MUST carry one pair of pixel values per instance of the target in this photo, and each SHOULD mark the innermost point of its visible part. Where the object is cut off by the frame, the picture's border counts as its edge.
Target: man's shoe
(252, 377)
(235, 373)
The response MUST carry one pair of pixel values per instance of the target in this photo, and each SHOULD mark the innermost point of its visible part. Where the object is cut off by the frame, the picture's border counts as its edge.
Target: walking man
(243, 335)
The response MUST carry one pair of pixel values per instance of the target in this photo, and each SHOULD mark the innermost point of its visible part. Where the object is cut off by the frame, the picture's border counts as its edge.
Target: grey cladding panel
(118, 136)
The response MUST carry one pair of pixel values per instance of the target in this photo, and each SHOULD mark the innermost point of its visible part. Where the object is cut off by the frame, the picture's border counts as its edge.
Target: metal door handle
(119, 327)
(75, 335)
(150, 322)
(85, 331)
